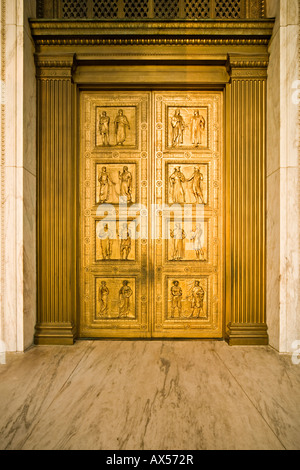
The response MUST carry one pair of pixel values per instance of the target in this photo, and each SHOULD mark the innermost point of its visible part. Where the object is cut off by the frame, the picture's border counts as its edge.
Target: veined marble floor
(155, 395)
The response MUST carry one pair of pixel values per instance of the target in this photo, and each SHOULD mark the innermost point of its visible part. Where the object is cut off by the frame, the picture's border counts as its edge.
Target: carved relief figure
(196, 237)
(176, 293)
(121, 125)
(106, 237)
(125, 243)
(103, 299)
(197, 189)
(104, 128)
(177, 179)
(178, 127)
(198, 128)
(197, 299)
(124, 297)
(125, 178)
(178, 235)
(105, 183)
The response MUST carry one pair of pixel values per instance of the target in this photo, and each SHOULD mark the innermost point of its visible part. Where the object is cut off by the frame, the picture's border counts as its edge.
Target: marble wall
(18, 176)
(283, 208)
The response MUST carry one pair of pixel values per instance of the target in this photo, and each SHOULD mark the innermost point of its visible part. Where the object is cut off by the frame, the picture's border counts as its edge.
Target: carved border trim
(249, 64)
(100, 25)
(263, 8)
(248, 67)
(148, 42)
(3, 124)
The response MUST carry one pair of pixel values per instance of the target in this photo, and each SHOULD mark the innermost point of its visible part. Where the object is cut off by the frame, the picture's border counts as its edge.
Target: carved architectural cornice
(112, 33)
(62, 66)
(37, 24)
(247, 66)
(148, 42)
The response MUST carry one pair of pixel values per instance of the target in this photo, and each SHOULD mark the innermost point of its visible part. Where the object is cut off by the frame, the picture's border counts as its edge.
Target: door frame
(235, 65)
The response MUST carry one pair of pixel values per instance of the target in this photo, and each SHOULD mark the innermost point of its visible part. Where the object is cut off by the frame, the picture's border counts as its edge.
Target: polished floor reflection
(156, 395)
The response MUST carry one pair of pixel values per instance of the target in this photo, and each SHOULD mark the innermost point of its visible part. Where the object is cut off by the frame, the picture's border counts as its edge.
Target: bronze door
(151, 214)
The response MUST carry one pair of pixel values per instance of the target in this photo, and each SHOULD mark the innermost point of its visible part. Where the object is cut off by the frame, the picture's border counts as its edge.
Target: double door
(151, 214)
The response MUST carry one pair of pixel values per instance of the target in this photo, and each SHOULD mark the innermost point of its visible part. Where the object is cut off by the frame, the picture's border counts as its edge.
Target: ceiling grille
(151, 9)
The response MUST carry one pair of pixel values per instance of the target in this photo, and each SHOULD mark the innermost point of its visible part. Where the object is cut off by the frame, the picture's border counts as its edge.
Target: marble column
(283, 208)
(18, 176)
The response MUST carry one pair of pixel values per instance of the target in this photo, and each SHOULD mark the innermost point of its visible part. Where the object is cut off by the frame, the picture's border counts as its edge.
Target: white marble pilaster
(18, 295)
(283, 208)
(29, 178)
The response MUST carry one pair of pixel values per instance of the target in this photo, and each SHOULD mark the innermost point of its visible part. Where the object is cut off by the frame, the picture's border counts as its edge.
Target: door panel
(151, 210)
(115, 138)
(189, 249)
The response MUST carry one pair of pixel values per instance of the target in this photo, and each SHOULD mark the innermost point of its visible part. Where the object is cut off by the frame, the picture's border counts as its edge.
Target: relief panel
(115, 298)
(115, 182)
(187, 183)
(187, 127)
(115, 240)
(116, 127)
(187, 299)
(186, 240)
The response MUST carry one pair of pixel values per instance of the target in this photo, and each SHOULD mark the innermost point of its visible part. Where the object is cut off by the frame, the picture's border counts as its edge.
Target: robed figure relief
(178, 236)
(105, 183)
(197, 298)
(197, 179)
(198, 128)
(125, 243)
(121, 126)
(197, 244)
(106, 238)
(176, 299)
(125, 178)
(103, 299)
(104, 123)
(177, 179)
(178, 127)
(125, 295)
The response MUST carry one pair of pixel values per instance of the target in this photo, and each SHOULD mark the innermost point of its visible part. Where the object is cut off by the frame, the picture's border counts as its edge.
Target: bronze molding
(240, 334)
(61, 66)
(248, 66)
(149, 42)
(55, 334)
(260, 25)
(95, 33)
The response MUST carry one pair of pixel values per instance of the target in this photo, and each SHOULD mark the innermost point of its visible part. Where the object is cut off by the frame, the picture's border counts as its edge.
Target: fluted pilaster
(247, 201)
(56, 202)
